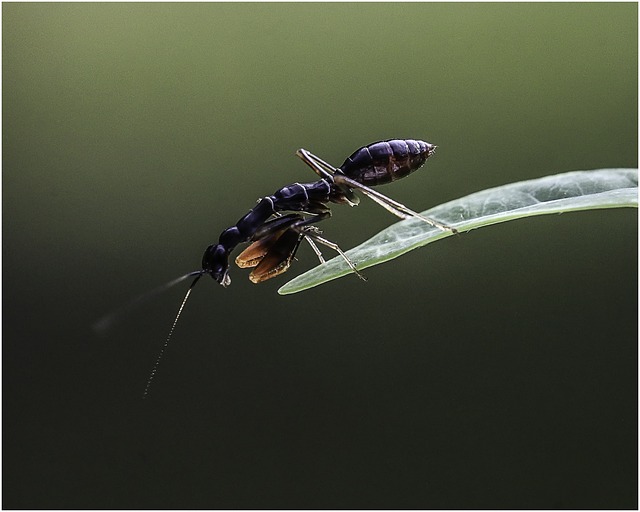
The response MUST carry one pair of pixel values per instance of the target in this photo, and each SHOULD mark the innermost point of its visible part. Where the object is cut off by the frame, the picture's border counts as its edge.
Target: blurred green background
(496, 369)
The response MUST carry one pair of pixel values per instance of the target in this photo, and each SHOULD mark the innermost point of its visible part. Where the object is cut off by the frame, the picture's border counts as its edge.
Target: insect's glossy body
(276, 236)
(386, 161)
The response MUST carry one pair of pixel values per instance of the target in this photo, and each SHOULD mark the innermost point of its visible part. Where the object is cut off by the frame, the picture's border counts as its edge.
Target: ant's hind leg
(405, 213)
(319, 166)
(398, 209)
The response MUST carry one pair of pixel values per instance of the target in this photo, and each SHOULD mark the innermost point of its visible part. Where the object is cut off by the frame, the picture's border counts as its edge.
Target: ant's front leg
(312, 234)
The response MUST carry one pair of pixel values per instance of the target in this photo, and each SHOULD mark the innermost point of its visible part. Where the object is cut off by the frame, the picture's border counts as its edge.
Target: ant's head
(215, 262)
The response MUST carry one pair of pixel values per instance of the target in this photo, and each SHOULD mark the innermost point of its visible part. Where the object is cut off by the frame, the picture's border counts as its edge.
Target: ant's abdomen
(386, 161)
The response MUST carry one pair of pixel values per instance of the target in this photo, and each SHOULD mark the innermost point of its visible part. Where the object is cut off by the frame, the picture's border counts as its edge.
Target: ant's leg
(332, 245)
(317, 208)
(315, 249)
(389, 204)
(321, 162)
(319, 166)
(312, 232)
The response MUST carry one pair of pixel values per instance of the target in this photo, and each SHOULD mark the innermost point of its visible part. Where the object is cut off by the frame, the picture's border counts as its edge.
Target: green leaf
(571, 191)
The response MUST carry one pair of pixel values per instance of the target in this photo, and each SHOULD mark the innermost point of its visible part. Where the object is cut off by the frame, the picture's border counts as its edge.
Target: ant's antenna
(154, 370)
(108, 321)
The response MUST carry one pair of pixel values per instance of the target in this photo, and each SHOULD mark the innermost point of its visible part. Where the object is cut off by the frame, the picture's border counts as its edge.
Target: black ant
(275, 236)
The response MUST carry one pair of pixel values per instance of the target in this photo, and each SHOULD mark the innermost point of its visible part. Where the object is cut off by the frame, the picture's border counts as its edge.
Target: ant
(275, 236)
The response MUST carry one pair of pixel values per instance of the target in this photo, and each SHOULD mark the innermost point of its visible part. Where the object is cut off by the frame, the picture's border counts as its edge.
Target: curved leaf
(571, 191)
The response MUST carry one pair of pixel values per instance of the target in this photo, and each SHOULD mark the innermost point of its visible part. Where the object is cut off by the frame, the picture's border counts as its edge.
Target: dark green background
(495, 369)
